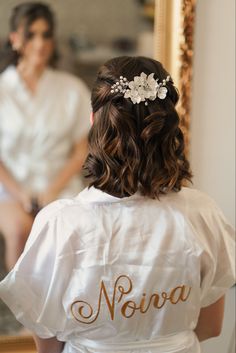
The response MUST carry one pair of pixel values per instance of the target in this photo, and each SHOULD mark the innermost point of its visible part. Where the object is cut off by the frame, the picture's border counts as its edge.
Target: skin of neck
(30, 74)
(27, 70)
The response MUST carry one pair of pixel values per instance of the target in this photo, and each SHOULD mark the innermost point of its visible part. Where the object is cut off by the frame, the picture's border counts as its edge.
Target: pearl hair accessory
(142, 88)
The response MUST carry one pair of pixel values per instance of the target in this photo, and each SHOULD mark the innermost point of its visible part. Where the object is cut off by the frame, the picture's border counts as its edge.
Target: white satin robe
(38, 131)
(124, 275)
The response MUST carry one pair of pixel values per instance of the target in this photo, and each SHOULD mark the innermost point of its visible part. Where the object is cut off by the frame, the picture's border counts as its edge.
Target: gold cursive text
(83, 312)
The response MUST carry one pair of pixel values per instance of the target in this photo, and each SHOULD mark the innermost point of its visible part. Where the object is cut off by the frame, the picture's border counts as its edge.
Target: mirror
(88, 34)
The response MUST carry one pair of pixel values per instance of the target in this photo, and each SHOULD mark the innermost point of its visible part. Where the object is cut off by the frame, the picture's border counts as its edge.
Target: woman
(137, 262)
(44, 120)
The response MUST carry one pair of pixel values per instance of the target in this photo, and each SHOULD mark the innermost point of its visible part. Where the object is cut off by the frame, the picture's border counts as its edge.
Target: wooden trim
(24, 344)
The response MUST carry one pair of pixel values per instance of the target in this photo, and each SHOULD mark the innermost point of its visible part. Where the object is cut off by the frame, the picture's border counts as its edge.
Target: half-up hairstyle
(135, 147)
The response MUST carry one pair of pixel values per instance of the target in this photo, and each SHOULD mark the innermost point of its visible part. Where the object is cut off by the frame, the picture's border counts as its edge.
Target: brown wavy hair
(134, 147)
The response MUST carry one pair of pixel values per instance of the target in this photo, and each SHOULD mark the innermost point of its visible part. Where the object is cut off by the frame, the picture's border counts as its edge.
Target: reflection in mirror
(87, 35)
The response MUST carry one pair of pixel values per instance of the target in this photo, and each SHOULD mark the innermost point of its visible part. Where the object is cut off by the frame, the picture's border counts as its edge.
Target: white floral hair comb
(142, 88)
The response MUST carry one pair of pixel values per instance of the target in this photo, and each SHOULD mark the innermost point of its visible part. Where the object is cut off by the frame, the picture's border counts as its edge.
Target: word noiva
(83, 312)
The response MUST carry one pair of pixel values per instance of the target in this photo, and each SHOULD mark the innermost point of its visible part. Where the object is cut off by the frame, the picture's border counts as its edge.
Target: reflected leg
(15, 225)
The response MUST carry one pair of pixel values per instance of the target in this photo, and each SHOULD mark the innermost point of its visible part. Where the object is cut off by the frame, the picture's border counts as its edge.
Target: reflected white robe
(127, 275)
(38, 131)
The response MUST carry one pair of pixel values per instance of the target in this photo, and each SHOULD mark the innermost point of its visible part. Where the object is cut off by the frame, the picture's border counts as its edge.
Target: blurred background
(91, 32)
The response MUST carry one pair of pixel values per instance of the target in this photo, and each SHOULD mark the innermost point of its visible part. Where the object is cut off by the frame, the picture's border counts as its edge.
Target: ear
(91, 118)
(16, 40)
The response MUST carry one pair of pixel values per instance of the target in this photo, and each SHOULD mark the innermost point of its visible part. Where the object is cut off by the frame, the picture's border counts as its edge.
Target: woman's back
(148, 256)
(124, 272)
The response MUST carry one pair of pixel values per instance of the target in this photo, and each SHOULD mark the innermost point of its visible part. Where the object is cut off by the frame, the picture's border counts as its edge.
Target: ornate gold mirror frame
(174, 30)
(174, 39)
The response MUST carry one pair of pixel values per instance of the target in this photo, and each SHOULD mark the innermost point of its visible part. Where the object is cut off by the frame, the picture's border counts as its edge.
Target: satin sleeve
(218, 258)
(33, 289)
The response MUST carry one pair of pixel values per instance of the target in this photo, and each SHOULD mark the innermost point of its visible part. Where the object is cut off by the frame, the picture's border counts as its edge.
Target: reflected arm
(72, 167)
(9, 182)
(14, 188)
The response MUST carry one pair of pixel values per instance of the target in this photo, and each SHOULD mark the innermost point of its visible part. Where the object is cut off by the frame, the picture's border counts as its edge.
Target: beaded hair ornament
(142, 88)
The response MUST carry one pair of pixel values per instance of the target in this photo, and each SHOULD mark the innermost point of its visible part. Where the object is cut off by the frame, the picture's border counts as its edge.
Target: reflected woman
(44, 120)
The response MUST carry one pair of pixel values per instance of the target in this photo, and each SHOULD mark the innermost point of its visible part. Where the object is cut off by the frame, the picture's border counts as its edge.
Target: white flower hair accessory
(142, 88)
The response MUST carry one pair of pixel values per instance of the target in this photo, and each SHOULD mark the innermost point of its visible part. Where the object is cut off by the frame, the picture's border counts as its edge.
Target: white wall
(213, 123)
(213, 114)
